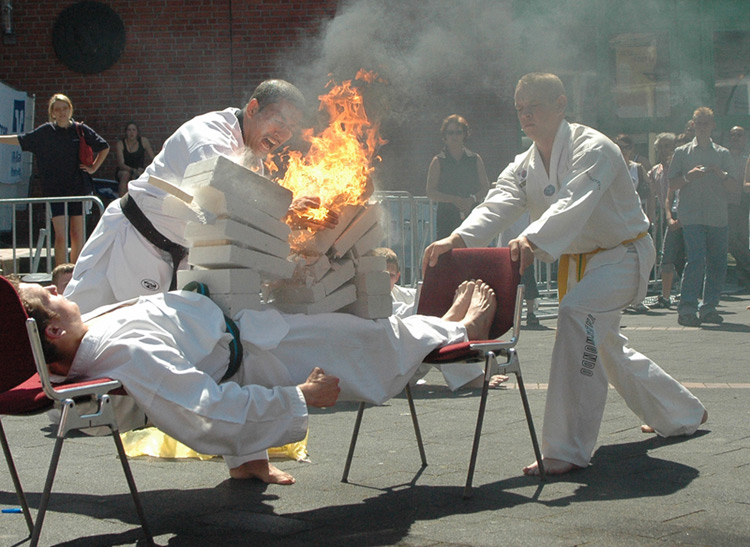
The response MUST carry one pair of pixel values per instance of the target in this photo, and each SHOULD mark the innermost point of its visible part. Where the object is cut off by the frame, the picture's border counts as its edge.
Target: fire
(338, 164)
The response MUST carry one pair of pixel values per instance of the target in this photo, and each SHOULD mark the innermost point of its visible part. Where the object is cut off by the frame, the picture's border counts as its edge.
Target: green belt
(235, 346)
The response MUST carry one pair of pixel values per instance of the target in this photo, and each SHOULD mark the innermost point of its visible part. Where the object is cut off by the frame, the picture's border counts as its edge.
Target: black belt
(235, 347)
(141, 223)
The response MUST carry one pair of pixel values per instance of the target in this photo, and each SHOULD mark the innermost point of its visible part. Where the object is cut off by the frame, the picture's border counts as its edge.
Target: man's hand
(522, 249)
(441, 246)
(303, 204)
(320, 390)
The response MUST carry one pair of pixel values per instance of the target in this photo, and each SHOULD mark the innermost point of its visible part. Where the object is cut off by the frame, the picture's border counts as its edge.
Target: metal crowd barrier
(40, 239)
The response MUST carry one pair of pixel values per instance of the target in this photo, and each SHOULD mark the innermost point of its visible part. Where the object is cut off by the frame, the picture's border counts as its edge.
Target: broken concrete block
(226, 231)
(296, 293)
(217, 203)
(358, 227)
(232, 256)
(340, 273)
(372, 239)
(318, 243)
(313, 269)
(334, 301)
(373, 283)
(371, 307)
(237, 181)
(237, 280)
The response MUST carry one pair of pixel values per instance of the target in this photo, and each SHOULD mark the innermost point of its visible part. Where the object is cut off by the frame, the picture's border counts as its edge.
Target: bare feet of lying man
(262, 470)
(481, 311)
(461, 301)
(551, 467)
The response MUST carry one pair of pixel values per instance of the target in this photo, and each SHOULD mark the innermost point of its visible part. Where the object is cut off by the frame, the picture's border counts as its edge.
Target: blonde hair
(59, 97)
(547, 86)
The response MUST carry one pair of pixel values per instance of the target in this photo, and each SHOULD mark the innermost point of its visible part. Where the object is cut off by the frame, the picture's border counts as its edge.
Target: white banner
(12, 116)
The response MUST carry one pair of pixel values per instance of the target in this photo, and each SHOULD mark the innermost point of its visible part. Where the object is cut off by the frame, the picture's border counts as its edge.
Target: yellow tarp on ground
(151, 441)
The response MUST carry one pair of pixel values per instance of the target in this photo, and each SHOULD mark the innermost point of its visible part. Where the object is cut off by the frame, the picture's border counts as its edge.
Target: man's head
(58, 320)
(61, 276)
(272, 116)
(626, 145)
(737, 138)
(703, 119)
(540, 104)
(664, 144)
(391, 263)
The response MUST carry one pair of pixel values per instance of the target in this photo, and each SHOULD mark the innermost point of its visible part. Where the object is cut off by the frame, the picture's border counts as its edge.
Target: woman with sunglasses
(457, 179)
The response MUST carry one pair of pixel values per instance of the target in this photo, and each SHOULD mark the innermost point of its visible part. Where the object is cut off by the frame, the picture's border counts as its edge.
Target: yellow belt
(580, 259)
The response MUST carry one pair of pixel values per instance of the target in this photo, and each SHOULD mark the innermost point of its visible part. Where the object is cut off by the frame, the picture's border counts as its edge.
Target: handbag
(85, 153)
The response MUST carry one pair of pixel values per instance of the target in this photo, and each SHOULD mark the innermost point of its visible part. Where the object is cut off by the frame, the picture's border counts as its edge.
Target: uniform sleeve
(189, 405)
(591, 173)
(504, 204)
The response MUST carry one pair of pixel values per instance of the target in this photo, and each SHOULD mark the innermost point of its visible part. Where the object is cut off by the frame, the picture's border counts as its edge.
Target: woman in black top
(457, 179)
(55, 146)
(134, 153)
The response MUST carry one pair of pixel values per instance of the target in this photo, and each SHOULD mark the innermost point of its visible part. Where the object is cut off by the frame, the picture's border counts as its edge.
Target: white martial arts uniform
(586, 204)
(171, 350)
(117, 263)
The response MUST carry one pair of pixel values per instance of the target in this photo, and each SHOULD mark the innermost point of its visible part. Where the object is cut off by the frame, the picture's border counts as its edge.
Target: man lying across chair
(171, 353)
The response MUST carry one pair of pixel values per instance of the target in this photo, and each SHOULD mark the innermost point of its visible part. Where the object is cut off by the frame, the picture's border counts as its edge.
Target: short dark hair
(275, 91)
(39, 313)
(458, 120)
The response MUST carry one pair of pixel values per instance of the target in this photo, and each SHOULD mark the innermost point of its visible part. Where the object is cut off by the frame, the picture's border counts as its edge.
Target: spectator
(739, 209)
(61, 275)
(55, 145)
(456, 179)
(134, 153)
(404, 298)
(702, 171)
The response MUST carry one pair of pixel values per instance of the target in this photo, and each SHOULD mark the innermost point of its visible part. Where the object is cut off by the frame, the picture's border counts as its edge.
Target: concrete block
(373, 283)
(365, 264)
(238, 280)
(299, 294)
(335, 301)
(358, 227)
(371, 307)
(314, 269)
(233, 303)
(372, 239)
(227, 231)
(239, 182)
(340, 273)
(318, 243)
(232, 256)
(217, 203)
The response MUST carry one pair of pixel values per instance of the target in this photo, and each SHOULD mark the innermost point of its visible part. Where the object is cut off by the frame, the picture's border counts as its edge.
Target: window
(641, 69)
(731, 54)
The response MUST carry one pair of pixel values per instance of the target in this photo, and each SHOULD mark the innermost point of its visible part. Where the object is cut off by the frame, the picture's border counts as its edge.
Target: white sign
(12, 116)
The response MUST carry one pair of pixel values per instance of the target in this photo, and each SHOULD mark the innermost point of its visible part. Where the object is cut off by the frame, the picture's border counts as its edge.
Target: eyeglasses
(454, 132)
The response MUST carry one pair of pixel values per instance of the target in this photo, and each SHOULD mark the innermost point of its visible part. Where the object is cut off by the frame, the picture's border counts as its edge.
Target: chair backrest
(16, 358)
(490, 264)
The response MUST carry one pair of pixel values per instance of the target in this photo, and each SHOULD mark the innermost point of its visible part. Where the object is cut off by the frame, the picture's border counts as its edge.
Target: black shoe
(689, 320)
(661, 303)
(712, 317)
(532, 320)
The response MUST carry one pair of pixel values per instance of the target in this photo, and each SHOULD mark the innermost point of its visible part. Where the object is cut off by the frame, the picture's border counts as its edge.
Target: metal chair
(25, 388)
(494, 267)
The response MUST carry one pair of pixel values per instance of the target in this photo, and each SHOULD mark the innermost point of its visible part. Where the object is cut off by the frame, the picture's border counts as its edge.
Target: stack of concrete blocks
(245, 242)
(337, 275)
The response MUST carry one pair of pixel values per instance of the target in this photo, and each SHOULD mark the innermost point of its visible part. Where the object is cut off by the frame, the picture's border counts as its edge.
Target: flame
(338, 164)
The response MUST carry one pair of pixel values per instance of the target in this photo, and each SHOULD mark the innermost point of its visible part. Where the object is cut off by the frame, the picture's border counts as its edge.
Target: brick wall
(180, 59)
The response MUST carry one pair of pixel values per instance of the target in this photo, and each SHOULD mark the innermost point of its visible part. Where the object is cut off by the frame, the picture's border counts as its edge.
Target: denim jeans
(706, 252)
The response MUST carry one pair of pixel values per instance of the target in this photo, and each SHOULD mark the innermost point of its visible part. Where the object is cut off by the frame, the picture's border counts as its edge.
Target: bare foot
(648, 429)
(497, 379)
(551, 467)
(461, 301)
(261, 470)
(481, 311)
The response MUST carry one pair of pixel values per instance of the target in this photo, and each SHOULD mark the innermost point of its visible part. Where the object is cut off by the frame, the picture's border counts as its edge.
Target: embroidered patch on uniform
(549, 190)
(149, 284)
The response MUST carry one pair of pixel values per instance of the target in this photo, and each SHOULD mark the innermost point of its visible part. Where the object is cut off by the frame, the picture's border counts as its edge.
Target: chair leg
(47, 491)
(480, 419)
(131, 485)
(532, 431)
(415, 421)
(353, 443)
(16, 480)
